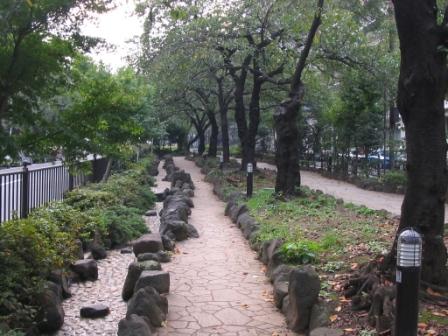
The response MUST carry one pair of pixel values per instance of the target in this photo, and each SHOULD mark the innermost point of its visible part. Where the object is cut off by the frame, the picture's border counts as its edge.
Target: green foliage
(11, 333)
(300, 252)
(30, 248)
(37, 41)
(394, 178)
(332, 266)
(89, 198)
(124, 224)
(235, 150)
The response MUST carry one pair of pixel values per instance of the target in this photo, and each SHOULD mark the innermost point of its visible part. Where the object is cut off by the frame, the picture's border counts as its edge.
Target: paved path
(217, 285)
(350, 193)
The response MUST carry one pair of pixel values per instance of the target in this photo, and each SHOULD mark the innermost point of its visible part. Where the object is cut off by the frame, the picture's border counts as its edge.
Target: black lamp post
(250, 179)
(409, 259)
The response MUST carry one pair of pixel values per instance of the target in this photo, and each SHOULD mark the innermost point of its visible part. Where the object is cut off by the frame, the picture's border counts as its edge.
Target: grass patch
(318, 229)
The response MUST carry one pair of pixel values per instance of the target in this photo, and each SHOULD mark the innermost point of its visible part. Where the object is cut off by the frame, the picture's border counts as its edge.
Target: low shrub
(300, 252)
(394, 179)
(29, 250)
(47, 240)
(124, 224)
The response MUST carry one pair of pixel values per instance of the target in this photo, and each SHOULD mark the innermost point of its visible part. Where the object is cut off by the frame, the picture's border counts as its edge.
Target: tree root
(371, 289)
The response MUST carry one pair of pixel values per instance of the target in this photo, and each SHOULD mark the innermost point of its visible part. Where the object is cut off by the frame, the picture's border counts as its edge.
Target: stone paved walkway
(217, 285)
(107, 290)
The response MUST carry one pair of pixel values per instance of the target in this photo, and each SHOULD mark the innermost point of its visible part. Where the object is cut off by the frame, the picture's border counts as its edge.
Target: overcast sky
(116, 27)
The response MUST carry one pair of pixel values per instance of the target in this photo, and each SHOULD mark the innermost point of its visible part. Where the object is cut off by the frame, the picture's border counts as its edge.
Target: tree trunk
(421, 92)
(213, 143)
(287, 153)
(254, 120)
(224, 135)
(201, 146)
(285, 118)
(107, 171)
(240, 119)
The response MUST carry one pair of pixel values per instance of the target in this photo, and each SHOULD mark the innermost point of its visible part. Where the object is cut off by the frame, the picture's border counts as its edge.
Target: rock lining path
(217, 285)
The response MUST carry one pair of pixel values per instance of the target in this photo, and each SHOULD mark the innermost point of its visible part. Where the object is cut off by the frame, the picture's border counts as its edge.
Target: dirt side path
(350, 193)
(217, 285)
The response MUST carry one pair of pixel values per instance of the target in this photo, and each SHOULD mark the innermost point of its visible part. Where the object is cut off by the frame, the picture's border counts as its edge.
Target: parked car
(379, 157)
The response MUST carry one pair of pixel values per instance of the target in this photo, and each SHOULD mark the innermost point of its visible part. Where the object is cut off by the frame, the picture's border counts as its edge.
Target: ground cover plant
(337, 238)
(108, 213)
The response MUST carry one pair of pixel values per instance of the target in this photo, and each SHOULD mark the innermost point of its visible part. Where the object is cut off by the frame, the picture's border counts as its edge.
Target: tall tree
(421, 94)
(37, 39)
(285, 117)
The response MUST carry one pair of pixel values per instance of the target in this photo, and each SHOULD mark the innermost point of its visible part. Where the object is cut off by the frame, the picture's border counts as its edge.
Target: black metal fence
(351, 166)
(25, 188)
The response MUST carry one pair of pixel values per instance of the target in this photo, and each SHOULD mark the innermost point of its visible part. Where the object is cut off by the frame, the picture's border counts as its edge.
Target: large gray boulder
(281, 273)
(60, 278)
(148, 256)
(320, 314)
(247, 224)
(180, 177)
(135, 269)
(192, 232)
(175, 211)
(148, 303)
(236, 211)
(168, 243)
(50, 315)
(159, 280)
(164, 257)
(134, 325)
(280, 291)
(268, 248)
(176, 229)
(180, 199)
(303, 292)
(86, 270)
(98, 251)
(148, 243)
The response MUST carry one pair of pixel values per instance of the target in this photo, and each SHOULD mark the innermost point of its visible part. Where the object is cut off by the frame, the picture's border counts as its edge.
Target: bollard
(250, 179)
(409, 257)
(25, 193)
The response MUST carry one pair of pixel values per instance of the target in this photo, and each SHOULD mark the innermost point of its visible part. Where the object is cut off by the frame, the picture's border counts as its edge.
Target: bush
(91, 197)
(124, 224)
(29, 250)
(82, 222)
(394, 179)
(235, 150)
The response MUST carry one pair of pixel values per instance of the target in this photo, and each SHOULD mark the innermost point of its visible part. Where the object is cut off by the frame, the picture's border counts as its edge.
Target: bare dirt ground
(217, 285)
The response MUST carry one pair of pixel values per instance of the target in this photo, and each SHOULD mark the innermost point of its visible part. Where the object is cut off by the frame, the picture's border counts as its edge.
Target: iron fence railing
(31, 186)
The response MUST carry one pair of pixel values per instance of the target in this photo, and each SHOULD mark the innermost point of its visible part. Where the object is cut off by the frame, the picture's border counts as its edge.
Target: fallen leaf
(333, 318)
(349, 329)
(354, 266)
(422, 325)
(431, 332)
(338, 309)
(432, 292)
(438, 314)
